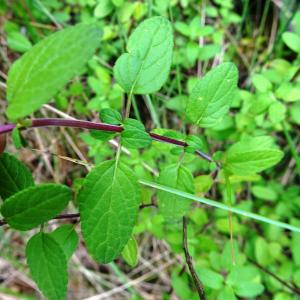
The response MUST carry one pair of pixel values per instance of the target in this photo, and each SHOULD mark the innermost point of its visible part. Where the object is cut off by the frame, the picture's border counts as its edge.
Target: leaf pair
(133, 136)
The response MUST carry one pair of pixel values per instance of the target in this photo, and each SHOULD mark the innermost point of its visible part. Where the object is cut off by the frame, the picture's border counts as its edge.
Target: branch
(77, 215)
(189, 261)
(63, 216)
(288, 285)
(97, 126)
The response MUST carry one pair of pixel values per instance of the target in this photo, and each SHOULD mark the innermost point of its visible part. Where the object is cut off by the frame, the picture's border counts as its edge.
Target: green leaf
(110, 116)
(18, 42)
(14, 176)
(252, 155)
(145, 68)
(134, 135)
(35, 205)
(246, 281)
(102, 135)
(174, 207)
(261, 83)
(264, 192)
(262, 252)
(292, 40)
(17, 138)
(130, 252)
(44, 69)
(210, 278)
(251, 289)
(212, 95)
(208, 51)
(103, 9)
(108, 204)
(48, 266)
(226, 294)
(67, 238)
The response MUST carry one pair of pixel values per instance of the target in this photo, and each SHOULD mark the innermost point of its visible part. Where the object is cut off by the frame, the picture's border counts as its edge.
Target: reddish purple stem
(98, 126)
(7, 128)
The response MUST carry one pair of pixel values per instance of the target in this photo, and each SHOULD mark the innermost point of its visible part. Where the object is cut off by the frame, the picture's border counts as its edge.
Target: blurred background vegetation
(263, 39)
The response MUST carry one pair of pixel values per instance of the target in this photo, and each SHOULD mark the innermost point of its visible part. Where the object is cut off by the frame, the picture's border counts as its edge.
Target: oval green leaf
(67, 238)
(212, 95)
(44, 69)
(173, 208)
(251, 156)
(134, 135)
(130, 252)
(35, 205)
(108, 205)
(14, 176)
(48, 266)
(146, 66)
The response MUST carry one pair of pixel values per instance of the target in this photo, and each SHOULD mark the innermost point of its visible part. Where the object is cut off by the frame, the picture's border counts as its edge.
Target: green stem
(220, 205)
(152, 110)
(126, 115)
(229, 203)
(136, 110)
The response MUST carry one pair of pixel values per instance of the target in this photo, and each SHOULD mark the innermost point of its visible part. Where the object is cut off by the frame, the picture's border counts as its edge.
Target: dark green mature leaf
(35, 205)
(67, 238)
(134, 135)
(108, 204)
(130, 252)
(145, 68)
(48, 266)
(14, 176)
(43, 70)
(211, 97)
(252, 155)
(174, 207)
